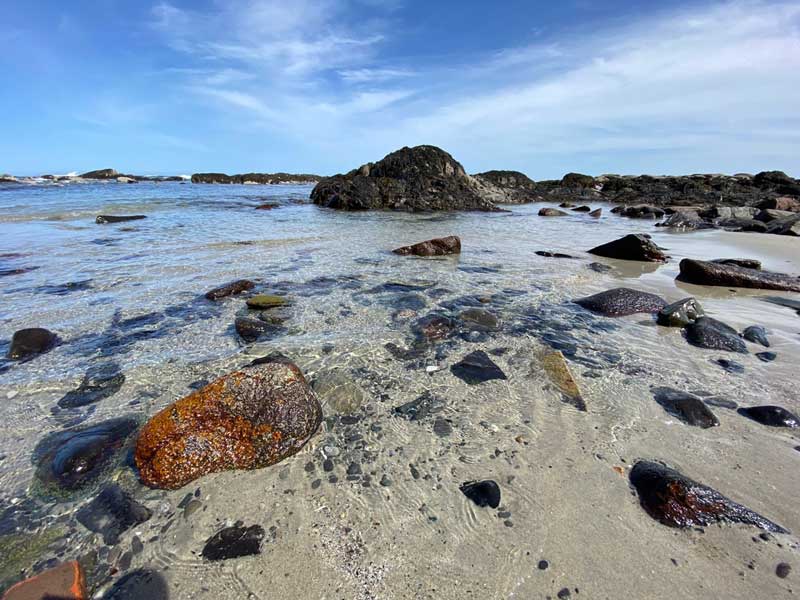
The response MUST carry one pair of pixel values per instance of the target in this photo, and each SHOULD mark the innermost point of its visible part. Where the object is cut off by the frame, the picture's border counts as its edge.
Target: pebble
(543, 565)
(564, 593)
(783, 569)
(386, 480)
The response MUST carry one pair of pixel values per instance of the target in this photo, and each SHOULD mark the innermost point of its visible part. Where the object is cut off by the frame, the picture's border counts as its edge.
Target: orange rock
(64, 582)
(247, 419)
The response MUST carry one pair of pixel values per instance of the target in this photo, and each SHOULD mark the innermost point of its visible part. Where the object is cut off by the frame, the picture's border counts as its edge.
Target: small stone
(112, 513)
(327, 465)
(354, 469)
(714, 335)
(482, 493)
(434, 247)
(636, 247)
(756, 334)
(731, 366)
(783, 569)
(552, 212)
(620, 302)
(543, 565)
(442, 427)
(233, 542)
(563, 594)
(386, 481)
(681, 313)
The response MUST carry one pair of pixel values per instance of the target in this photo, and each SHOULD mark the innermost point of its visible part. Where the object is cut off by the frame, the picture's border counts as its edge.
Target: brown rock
(781, 203)
(434, 247)
(555, 365)
(247, 419)
(64, 582)
(230, 289)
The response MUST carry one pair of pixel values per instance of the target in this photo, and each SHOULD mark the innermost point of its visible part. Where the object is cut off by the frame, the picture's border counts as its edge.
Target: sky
(323, 86)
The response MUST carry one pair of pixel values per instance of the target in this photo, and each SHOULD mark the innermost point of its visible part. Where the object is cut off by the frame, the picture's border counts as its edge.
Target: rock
(551, 212)
(548, 254)
(583, 208)
(777, 181)
(721, 403)
(731, 366)
(766, 356)
(786, 302)
(70, 461)
(476, 367)
(248, 419)
(631, 247)
(768, 215)
(264, 301)
(434, 247)
(681, 313)
(745, 263)
(101, 174)
(483, 493)
(677, 501)
(685, 219)
(620, 302)
(783, 569)
(252, 330)
(730, 212)
(600, 267)
(338, 393)
(786, 226)
(268, 206)
(434, 327)
(423, 178)
(234, 542)
(577, 180)
(709, 333)
(112, 513)
(442, 427)
(756, 334)
(417, 410)
(555, 365)
(781, 203)
(64, 582)
(642, 211)
(27, 343)
(478, 319)
(566, 205)
(714, 274)
(103, 219)
(685, 406)
(98, 384)
(125, 179)
(507, 187)
(772, 416)
(597, 213)
(230, 289)
(255, 178)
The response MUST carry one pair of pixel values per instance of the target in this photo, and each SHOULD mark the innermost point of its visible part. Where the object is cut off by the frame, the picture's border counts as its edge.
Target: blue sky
(597, 86)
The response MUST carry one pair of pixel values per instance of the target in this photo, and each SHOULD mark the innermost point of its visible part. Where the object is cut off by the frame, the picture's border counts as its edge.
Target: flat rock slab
(476, 368)
(620, 302)
(714, 335)
(557, 370)
(638, 247)
(685, 406)
(435, 247)
(702, 272)
(772, 416)
(234, 542)
(64, 582)
(103, 219)
(677, 501)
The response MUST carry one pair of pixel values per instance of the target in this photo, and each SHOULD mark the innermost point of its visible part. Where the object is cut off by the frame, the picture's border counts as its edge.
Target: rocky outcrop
(435, 247)
(637, 247)
(248, 419)
(620, 302)
(702, 272)
(423, 178)
(101, 174)
(255, 178)
(507, 187)
(677, 501)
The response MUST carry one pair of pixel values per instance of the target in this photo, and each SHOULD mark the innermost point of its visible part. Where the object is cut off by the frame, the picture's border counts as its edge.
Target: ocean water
(129, 296)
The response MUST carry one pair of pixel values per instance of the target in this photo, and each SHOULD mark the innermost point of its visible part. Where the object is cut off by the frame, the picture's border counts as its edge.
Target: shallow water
(135, 301)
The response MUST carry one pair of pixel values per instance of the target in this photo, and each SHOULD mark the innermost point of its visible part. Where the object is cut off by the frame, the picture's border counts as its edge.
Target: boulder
(248, 419)
(596, 213)
(104, 219)
(631, 247)
(785, 226)
(230, 289)
(577, 180)
(677, 501)
(772, 416)
(685, 406)
(729, 212)
(423, 178)
(476, 368)
(685, 219)
(702, 272)
(101, 174)
(482, 493)
(551, 212)
(757, 335)
(434, 247)
(681, 313)
(507, 187)
(64, 582)
(781, 203)
(711, 334)
(620, 302)
(642, 211)
(27, 343)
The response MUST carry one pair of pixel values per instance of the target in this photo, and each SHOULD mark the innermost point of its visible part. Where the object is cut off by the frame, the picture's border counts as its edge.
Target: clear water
(418, 537)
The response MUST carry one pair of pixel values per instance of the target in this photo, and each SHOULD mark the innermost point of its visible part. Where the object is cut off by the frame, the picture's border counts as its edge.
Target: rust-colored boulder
(64, 582)
(248, 419)
(435, 247)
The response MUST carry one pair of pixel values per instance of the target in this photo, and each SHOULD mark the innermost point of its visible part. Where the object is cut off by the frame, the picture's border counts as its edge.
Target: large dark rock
(476, 367)
(687, 407)
(248, 419)
(68, 462)
(777, 181)
(773, 416)
(711, 334)
(631, 247)
(27, 343)
(234, 542)
(230, 289)
(677, 501)
(507, 187)
(681, 313)
(435, 247)
(620, 302)
(111, 513)
(702, 272)
(423, 178)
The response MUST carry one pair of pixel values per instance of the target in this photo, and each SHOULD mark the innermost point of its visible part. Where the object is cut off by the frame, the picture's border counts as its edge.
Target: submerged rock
(27, 343)
(552, 212)
(103, 219)
(731, 366)
(620, 302)
(477, 319)
(251, 329)
(67, 581)
(634, 246)
(548, 254)
(434, 327)
(230, 289)
(687, 407)
(555, 365)
(715, 274)
(248, 419)
(681, 313)
(482, 493)
(435, 247)
(73, 460)
(234, 542)
(417, 410)
(766, 356)
(756, 334)
(677, 501)
(112, 513)
(98, 384)
(338, 392)
(476, 367)
(711, 334)
(773, 416)
(264, 301)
